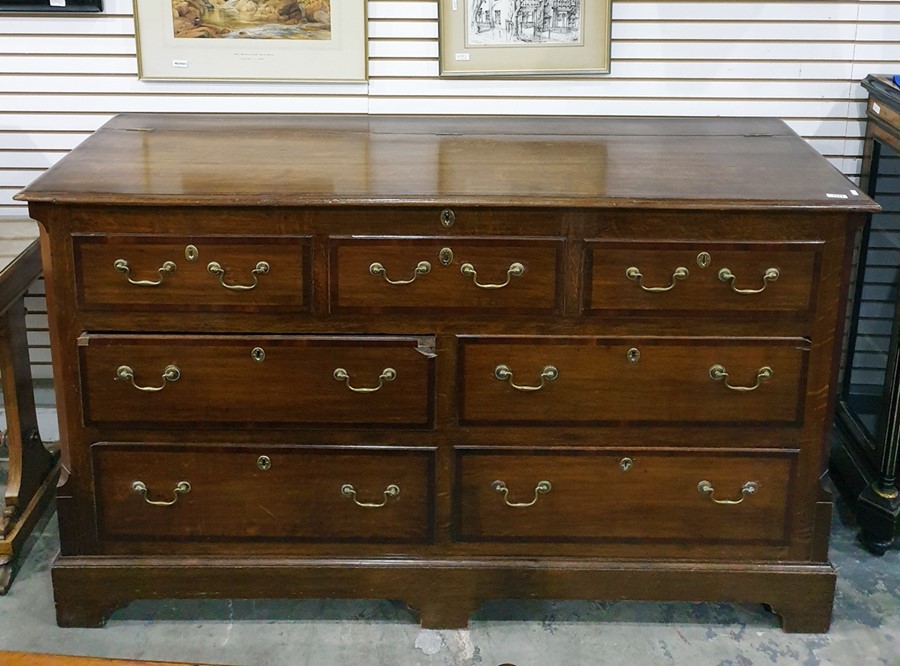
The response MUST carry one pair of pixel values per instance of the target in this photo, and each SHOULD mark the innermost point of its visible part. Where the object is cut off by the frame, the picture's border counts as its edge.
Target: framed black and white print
(535, 38)
(51, 5)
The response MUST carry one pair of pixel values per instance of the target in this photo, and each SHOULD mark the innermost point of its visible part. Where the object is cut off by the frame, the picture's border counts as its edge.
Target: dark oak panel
(444, 591)
(576, 202)
(264, 492)
(174, 277)
(643, 494)
(220, 380)
(620, 162)
(669, 380)
(516, 275)
(699, 287)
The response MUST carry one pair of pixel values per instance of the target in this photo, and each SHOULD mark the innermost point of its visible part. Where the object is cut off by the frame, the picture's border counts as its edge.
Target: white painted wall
(62, 76)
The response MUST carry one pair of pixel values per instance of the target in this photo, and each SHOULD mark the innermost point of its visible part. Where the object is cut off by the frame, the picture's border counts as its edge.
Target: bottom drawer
(650, 495)
(152, 491)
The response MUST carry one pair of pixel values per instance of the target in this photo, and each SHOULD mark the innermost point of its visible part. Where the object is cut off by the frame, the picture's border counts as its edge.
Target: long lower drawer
(547, 380)
(170, 380)
(648, 495)
(192, 492)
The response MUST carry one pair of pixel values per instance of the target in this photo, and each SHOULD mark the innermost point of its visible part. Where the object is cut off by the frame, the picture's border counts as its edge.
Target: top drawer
(192, 273)
(470, 273)
(700, 276)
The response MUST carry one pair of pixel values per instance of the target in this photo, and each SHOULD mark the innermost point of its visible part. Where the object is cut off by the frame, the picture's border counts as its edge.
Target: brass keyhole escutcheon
(448, 217)
(626, 464)
(445, 256)
(191, 253)
(258, 354)
(264, 463)
(633, 355)
(704, 260)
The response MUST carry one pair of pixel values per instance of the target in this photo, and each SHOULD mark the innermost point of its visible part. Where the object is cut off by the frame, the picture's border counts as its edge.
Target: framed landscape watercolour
(524, 37)
(251, 40)
(51, 5)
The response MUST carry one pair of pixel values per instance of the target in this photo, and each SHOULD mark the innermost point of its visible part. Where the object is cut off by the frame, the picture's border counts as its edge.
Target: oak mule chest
(443, 360)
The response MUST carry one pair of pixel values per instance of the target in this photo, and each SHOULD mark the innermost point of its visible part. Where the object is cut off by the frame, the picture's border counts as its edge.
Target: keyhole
(258, 354)
(626, 464)
(633, 355)
(448, 217)
(264, 462)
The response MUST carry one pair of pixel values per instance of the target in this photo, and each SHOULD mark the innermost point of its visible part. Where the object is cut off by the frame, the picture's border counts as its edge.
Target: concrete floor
(865, 631)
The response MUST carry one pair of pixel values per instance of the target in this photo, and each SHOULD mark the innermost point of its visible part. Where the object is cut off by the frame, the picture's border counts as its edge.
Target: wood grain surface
(323, 160)
(575, 201)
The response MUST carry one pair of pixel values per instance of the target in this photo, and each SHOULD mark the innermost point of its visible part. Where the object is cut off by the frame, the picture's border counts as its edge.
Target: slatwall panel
(794, 60)
(61, 77)
(882, 279)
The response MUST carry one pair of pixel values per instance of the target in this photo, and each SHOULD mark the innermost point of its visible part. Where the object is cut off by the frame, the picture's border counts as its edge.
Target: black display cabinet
(866, 441)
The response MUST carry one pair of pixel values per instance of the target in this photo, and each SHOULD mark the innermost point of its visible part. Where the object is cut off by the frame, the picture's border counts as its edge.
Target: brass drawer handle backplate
(347, 490)
(719, 373)
(706, 488)
(633, 274)
(504, 374)
(170, 373)
(181, 488)
(541, 488)
(215, 268)
(515, 270)
(422, 268)
(387, 375)
(167, 268)
(771, 274)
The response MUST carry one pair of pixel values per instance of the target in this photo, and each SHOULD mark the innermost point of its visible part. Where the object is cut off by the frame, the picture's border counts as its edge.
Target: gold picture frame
(530, 38)
(264, 40)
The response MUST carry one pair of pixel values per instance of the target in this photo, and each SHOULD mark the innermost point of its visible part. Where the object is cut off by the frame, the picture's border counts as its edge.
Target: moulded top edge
(452, 125)
(862, 205)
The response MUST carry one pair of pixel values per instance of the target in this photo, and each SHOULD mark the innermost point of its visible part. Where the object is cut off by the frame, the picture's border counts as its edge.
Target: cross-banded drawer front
(157, 491)
(655, 495)
(193, 273)
(500, 274)
(583, 380)
(177, 379)
(700, 277)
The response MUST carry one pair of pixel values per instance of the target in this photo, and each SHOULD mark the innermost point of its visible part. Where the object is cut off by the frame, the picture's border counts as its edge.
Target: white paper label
(836, 196)
(180, 63)
(876, 108)
(57, 3)
(455, 5)
(461, 56)
(854, 193)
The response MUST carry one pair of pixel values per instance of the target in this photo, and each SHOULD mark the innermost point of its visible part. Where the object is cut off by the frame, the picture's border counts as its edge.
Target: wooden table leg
(31, 465)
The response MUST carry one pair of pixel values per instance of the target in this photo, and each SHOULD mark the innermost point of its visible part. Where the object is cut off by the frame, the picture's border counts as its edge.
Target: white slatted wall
(62, 76)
